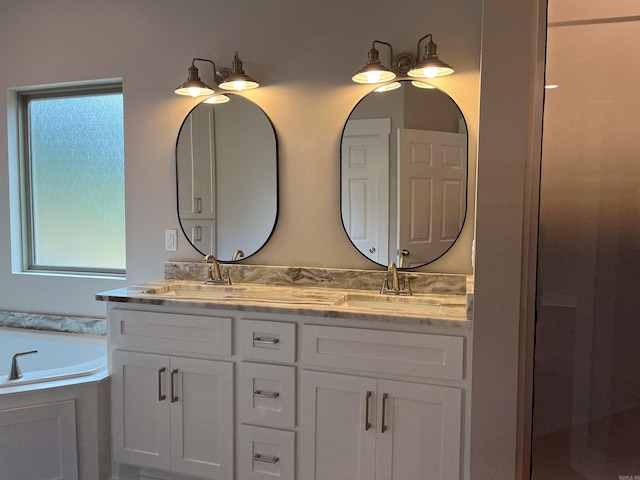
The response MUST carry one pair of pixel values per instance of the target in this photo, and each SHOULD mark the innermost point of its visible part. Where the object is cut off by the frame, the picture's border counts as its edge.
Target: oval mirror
(404, 175)
(227, 174)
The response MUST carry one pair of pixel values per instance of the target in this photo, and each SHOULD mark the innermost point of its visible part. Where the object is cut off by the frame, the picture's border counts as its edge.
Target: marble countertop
(439, 309)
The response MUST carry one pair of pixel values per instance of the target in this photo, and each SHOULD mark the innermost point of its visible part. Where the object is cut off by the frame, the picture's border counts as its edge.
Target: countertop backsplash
(429, 283)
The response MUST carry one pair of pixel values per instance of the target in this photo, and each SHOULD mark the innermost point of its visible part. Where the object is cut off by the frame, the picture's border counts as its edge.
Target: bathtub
(61, 356)
(58, 412)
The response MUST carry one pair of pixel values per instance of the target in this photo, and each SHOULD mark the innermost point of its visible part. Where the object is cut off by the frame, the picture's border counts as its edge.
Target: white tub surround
(303, 380)
(54, 421)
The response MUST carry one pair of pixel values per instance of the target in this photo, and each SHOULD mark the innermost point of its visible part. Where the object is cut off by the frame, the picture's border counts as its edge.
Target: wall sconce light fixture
(430, 66)
(405, 64)
(224, 78)
(374, 71)
(238, 80)
(195, 87)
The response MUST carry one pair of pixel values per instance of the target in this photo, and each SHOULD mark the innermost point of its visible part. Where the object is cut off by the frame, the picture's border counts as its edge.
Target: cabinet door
(201, 233)
(202, 418)
(421, 435)
(141, 409)
(336, 442)
(196, 168)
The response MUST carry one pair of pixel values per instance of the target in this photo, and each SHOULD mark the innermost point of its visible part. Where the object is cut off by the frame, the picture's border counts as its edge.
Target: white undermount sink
(388, 303)
(412, 304)
(208, 292)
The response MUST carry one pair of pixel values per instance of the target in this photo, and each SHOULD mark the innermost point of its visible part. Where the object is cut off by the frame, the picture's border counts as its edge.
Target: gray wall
(304, 57)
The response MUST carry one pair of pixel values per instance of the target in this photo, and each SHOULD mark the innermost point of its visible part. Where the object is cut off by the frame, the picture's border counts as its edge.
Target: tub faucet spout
(15, 372)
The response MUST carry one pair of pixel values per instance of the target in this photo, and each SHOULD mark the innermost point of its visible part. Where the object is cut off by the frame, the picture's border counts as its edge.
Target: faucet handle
(226, 277)
(385, 283)
(406, 285)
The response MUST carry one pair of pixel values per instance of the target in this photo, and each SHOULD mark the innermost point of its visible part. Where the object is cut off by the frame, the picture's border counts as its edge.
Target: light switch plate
(171, 240)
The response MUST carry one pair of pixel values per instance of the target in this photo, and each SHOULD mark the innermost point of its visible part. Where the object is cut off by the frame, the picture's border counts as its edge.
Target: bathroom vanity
(255, 381)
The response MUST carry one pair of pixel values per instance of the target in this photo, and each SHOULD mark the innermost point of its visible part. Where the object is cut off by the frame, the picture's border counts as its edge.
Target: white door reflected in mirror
(404, 175)
(432, 192)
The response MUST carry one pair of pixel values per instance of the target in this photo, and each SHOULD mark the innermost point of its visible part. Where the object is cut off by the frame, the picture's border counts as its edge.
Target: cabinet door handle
(260, 393)
(367, 425)
(174, 398)
(384, 428)
(198, 203)
(261, 458)
(161, 396)
(260, 341)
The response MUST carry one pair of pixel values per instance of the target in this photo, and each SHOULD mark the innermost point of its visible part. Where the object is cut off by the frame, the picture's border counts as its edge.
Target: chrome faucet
(15, 372)
(395, 289)
(214, 276)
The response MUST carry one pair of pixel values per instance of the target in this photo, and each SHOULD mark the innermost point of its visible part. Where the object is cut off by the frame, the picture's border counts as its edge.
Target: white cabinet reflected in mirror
(404, 175)
(227, 178)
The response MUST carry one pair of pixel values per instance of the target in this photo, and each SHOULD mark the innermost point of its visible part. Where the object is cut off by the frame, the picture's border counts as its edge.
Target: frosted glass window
(75, 168)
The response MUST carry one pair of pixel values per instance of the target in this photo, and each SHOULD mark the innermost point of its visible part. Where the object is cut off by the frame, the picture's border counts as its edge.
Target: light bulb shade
(421, 84)
(430, 66)
(217, 99)
(194, 87)
(238, 80)
(388, 87)
(373, 71)
(430, 69)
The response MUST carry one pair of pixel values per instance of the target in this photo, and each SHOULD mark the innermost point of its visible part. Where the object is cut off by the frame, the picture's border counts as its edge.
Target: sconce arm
(430, 48)
(388, 45)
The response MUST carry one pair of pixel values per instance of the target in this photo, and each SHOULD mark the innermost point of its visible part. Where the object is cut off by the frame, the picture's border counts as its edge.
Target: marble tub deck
(54, 323)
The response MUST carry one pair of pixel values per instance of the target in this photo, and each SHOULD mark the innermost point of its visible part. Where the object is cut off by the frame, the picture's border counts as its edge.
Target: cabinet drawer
(417, 354)
(171, 332)
(265, 454)
(266, 395)
(271, 341)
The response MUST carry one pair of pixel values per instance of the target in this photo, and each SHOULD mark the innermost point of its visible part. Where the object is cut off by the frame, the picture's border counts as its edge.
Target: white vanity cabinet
(244, 395)
(371, 426)
(172, 412)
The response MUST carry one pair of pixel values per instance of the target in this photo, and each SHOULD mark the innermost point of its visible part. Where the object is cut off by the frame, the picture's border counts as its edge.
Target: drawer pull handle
(367, 425)
(260, 393)
(174, 397)
(384, 409)
(161, 396)
(261, 458)
(260, 341)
